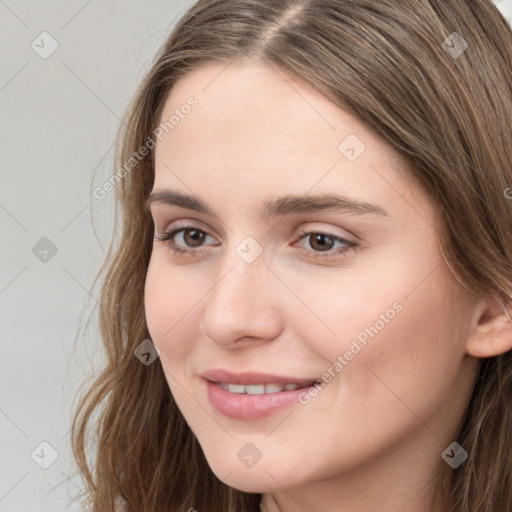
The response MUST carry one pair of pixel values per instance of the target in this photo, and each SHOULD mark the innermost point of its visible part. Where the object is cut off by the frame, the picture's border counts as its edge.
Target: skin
(372, 438)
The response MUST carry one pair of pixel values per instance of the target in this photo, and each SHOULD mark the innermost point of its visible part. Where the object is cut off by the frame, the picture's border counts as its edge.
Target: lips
(250, 396)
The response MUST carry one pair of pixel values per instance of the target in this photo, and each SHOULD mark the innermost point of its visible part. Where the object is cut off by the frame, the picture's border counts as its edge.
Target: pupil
(321, 238)
(196, 237)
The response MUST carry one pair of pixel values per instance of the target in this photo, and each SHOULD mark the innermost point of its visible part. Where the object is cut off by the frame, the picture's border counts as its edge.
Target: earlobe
(492, 335)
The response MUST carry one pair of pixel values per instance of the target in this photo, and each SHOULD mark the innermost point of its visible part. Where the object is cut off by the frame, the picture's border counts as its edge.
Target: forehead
(255, 103)
(258, 129)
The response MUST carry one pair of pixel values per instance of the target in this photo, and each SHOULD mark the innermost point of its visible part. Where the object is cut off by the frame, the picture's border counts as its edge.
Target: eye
(193, 237)
(324, 242)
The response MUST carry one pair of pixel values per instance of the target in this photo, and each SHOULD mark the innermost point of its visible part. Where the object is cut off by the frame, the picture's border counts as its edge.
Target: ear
(492, 335)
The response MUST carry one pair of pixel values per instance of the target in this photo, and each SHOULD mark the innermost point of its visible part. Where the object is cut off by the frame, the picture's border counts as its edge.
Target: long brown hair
(392, 64)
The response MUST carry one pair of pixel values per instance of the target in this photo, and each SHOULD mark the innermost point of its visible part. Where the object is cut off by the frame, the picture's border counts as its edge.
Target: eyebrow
(280, 206)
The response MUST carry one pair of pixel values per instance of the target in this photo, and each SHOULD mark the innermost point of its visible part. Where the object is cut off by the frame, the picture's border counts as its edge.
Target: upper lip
(248, 378)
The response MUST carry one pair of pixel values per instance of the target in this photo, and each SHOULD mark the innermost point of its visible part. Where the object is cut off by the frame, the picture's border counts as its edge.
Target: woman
(308, 307)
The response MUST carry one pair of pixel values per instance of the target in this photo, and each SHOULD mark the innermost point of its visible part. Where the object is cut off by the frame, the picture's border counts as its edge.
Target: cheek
(408, 364)
(169, 309)
(157, 303)
(345, 314)
(382, 335)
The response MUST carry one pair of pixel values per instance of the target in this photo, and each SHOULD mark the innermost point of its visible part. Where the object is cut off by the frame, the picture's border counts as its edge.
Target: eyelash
(178, 251)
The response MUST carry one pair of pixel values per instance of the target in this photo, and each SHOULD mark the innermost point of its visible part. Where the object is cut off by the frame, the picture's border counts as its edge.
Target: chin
(260, 482)
(261, 478)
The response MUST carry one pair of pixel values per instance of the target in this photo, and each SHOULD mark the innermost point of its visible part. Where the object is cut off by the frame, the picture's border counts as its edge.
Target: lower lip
(242, 406)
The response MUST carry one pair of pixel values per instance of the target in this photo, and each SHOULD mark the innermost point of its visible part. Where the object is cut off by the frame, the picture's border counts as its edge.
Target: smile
(259, 389)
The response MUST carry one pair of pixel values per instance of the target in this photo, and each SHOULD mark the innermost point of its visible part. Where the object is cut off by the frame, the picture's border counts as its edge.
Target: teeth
(273, 388)
(236, 388)
(255, 389)
(258, 389)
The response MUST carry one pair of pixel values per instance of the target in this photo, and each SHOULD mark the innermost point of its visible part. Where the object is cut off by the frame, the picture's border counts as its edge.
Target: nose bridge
(240, 282)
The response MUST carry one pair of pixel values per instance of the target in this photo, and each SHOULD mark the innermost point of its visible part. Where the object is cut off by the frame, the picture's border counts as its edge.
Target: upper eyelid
(177, 223)
(154, 212)
(191, 224)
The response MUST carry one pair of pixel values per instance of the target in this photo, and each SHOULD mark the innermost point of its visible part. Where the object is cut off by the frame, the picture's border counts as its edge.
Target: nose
(243, 306)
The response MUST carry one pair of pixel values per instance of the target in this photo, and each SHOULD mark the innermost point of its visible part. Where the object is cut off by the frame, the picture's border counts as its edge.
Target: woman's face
(279, 289)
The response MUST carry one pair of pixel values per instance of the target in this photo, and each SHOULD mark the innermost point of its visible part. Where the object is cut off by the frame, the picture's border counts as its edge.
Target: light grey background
(59, 118)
